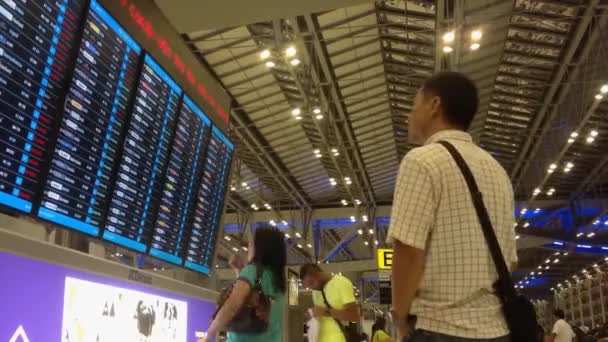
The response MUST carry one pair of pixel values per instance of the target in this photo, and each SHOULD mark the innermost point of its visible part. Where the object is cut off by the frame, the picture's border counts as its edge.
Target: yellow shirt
(381, 336)
(339, 292)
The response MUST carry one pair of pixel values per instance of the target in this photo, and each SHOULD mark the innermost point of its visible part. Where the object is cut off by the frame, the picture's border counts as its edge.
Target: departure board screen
(209, 203)
(183, 172)
(79, 180)
(136, 195)
(37, 39)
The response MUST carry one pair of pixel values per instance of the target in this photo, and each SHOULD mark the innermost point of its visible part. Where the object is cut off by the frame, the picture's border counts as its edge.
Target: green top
(381, 336)
(274, 333)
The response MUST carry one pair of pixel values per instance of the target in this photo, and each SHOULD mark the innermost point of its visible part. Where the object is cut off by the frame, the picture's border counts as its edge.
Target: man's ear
(435, 104)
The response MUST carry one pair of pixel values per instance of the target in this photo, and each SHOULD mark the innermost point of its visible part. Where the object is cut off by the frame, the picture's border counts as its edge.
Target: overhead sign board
(385, 258)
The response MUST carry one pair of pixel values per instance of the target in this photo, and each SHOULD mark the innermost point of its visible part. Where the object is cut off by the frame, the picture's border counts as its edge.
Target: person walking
(267, 251)
(334, 302)
(378, 331)
(562, 331)
(443, 272)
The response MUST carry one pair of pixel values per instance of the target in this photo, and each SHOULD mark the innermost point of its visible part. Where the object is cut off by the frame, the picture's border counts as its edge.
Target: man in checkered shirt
(443, 272)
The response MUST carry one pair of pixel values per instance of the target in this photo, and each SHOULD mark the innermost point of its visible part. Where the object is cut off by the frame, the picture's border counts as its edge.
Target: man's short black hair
(559, 313)
(458, 94)
(309, 269)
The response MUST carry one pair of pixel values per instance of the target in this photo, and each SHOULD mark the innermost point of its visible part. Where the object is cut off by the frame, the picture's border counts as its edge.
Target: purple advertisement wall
(42, 302)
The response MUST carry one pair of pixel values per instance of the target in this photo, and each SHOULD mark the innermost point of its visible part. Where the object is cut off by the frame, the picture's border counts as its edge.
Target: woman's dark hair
(379, 324)
(270, 252)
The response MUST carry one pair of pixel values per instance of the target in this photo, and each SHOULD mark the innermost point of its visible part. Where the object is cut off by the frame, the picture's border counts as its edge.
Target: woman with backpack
(264, 279)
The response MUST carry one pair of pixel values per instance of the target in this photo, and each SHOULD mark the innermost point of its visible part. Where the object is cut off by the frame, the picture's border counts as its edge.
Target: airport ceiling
(320, 105)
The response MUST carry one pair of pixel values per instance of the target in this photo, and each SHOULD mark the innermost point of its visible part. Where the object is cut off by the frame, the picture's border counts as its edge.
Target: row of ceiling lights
(449, 37)
(540, 269)
(584, 273)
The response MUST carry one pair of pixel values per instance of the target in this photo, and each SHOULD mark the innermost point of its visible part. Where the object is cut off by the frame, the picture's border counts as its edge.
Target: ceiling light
(319, 155)
(353, 219)
(365, 219)
(272, 223)
(299, 246)
(227, 238)
(287, 236)
(284, 222)
(590, 140)
(360, 231)
(553, 166)
(371, 231)
(336, 154)
(570, 141)
(476, 35)
(298, 235)
(556, 261)
(290, 51)
(527, 224)
(447, 49)
(317, 151)
(294, 62)
(598, 97)
(248, 187)
(358, 203)
(579, 234)
(376, 242)
(296, 111)
(550, 192)
(475, 46)
(319, 117)
(232, 188)
(334, 150)
(366, 243)
(604, 89)
(235, 249)
(270, 64)
(244, 184)
(448, 37)
(265, 54)
(537, 210)
(593, 133)
(590, 235)
(569, 165)
(317, 110)
(308, 245)
(245, 248)
(298, 118)
(523, 211)
(517, 237)
(574, 135)
(536, 191)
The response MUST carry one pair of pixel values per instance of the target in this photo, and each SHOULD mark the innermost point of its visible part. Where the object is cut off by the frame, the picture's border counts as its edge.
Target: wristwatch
(398, 321)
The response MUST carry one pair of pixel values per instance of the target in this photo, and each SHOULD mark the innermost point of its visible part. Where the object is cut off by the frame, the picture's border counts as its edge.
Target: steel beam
(340, 246)
(520, 166)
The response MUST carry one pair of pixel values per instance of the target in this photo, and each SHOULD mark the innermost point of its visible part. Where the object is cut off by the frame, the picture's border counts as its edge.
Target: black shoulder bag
(254, 315)
(350, 331)
(518, 310)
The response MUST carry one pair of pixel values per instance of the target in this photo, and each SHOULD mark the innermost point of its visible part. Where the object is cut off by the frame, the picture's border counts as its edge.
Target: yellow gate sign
(385, 258)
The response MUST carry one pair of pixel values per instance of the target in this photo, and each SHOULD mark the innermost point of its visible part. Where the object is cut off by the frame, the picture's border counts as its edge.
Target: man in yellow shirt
(337, 308)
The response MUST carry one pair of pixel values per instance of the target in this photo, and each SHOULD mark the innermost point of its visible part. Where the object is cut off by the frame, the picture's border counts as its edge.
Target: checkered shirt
(433, 211)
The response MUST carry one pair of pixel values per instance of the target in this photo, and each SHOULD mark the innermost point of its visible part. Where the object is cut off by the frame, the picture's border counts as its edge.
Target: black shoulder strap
(259, 271)
(482, 215)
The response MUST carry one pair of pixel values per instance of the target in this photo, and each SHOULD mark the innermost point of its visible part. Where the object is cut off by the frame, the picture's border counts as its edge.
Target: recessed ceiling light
(244, 184)
(476, 35)
(299, 246)
(287, 236)
(590, 140)
(308, 245)
(290, 51)
(319, 117)
(598, 97)
(366, 243)
(334, 150)
(370, 231)
(360, 231)
(294, 62)
(593, 133)
(317, 110)
(270, 64)
(604, 89)
(298, 118)
(475, 46)
(447, 49)
(448, 37)
(376, 242)
(316, 151)
(296, 111)
(265, 54)
(298, 235)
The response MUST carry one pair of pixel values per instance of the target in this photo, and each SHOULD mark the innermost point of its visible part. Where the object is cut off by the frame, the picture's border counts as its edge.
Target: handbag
(350, 331)
(253, 317)
(518, 310)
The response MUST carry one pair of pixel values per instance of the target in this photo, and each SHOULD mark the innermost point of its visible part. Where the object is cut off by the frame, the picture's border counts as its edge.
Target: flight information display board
(79, 180)
(210, 203)
(138, 188)
(37, 39)
(183, 172)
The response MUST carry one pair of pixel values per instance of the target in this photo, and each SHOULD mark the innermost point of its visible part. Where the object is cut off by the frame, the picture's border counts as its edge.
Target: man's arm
(408, 267)
(552, 337)
(350, 312)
